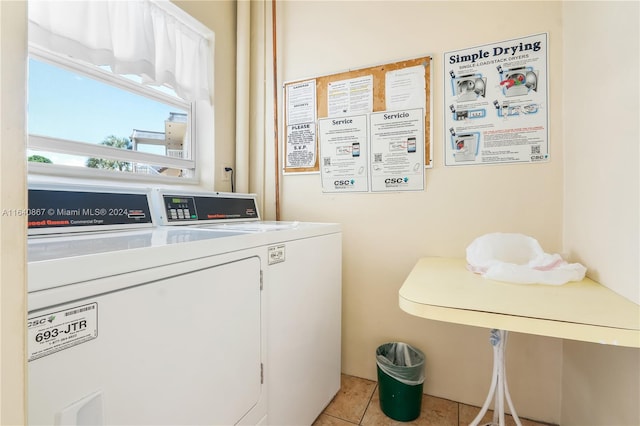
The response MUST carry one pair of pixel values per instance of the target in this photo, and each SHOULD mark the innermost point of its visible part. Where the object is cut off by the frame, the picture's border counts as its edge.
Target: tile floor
(357, 404)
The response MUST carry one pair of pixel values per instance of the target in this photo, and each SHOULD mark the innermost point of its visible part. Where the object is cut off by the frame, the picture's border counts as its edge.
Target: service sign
(57, 331)
(496, 103)
(397, 150)
(343, 143)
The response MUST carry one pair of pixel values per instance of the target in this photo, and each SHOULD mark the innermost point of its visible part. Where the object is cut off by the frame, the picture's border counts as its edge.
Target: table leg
(498, 340)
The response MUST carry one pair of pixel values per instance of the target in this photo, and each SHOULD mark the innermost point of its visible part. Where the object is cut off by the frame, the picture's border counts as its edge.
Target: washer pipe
(243, 63)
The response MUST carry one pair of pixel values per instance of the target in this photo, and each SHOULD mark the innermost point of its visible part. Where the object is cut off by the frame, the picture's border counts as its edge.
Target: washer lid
(60, 260)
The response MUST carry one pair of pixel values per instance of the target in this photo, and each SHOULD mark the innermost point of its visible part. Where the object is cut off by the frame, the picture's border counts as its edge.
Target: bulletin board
(378, 74)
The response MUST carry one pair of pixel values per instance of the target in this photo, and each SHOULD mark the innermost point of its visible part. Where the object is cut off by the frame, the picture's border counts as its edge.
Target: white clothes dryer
(133, 324)
(302, 274)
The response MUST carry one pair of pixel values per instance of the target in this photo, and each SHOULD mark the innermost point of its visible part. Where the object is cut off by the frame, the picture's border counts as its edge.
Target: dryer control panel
(63, 210)
(204, 208)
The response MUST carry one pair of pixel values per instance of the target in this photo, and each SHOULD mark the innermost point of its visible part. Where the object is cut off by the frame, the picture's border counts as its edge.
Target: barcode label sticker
(276, 254)
(57, 331)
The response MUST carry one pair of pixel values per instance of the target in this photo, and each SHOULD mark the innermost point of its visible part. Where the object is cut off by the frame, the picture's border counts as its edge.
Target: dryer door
(181, 350)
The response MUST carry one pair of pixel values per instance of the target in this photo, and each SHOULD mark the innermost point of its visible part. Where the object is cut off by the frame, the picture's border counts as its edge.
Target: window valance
(148, 38)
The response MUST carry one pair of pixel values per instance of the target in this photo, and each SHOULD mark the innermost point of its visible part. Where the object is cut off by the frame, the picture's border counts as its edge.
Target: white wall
(601, 384)
(384, 234)
(13, 44)
(601, 224)
(220, 17)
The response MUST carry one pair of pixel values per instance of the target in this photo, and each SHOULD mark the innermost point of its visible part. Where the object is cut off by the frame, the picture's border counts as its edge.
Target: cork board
(378, 74)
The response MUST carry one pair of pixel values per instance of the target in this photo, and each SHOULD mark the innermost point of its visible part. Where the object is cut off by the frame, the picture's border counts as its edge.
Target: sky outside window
(70, 106)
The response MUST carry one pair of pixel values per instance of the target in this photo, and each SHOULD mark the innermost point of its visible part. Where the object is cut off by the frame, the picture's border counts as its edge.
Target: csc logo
(343, 183)
(37, 322)
(396, 180)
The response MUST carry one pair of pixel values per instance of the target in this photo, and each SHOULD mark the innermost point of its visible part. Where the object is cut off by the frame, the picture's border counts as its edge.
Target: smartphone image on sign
(355, 149)
(411, 145)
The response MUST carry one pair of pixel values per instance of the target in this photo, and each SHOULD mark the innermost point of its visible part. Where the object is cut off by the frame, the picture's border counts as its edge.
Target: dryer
(130, 323)
(302, 273)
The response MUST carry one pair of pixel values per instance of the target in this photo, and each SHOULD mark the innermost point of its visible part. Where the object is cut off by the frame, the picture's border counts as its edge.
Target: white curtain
(140, 37)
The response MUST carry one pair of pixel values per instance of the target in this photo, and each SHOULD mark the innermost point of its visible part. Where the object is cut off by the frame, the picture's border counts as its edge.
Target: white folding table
(443, 289)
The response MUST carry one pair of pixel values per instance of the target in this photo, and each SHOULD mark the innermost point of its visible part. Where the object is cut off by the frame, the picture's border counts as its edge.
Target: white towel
(518, 258)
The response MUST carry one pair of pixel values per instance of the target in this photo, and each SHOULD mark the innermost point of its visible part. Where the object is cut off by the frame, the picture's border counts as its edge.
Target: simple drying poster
(496, 98)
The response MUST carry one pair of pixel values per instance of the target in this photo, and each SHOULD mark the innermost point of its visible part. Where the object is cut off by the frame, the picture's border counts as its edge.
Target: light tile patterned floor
(357, 403)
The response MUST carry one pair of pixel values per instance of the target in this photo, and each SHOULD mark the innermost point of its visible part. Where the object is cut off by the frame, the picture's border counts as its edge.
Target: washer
(302, 273)
(130, 323)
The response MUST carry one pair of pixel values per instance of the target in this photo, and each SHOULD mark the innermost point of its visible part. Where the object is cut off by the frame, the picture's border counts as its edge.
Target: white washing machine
(133, 324)
(303, 286)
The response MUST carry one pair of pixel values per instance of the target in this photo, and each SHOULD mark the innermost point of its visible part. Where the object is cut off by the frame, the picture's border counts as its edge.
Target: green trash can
(400, 380)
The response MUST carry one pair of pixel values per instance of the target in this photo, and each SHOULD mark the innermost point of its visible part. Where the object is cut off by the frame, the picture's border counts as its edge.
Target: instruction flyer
(301, 125)
(496, 103)
(343, 148)
(397, 150)
(349, 97)
(405, 88)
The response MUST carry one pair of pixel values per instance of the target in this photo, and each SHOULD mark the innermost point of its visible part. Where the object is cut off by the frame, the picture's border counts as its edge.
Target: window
(85, 119)
(80, 120)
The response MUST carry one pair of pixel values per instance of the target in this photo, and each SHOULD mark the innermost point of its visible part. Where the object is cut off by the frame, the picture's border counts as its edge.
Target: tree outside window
(101, 163)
